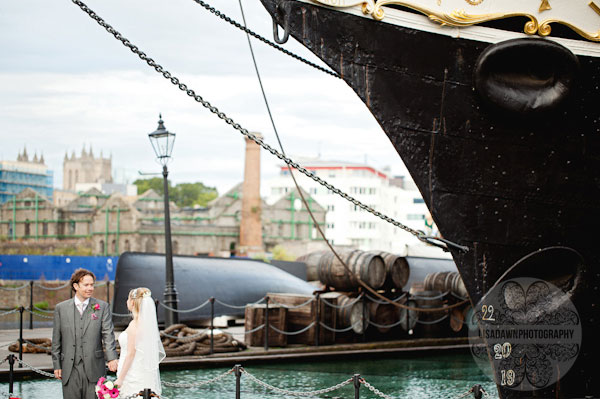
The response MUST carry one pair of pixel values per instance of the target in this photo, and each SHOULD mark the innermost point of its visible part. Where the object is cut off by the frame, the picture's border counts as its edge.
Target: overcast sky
(65, 83)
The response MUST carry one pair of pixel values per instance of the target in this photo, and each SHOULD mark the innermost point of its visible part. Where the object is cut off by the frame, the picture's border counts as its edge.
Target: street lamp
(162, 142)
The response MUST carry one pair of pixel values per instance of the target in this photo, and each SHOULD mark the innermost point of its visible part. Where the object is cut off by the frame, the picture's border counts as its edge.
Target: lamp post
(162, 142)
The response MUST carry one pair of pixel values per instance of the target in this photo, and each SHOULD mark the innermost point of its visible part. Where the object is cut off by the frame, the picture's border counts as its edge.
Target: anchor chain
(191, 93)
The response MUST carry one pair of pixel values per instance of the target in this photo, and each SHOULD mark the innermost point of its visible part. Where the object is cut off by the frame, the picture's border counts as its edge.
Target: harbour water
(415, 376)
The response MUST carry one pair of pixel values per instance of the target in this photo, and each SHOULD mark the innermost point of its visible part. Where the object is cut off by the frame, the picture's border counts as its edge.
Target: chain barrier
(236, 306)
(433, 321)
(9, 312)
(255, 329)
(374, 390)
(341, 306)
(339, 330)
(14, 288)
(43, 310)
(386, 325)
(308, 327)
(272, 302)
(225, 18)
(37, 314)
(198, 384)
(52, 288)
(35, 369)
(259, 141)
(430, 298)
(296, 393)
(44, 348)
(186, 310)
(369, 297)
(460, 298)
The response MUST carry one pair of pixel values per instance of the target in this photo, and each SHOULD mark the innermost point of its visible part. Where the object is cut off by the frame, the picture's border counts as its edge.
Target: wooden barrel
(397, 270)
(312, 262)
(406, 317)
(427, 325)
(369, 267)
(383, 315)
(446, 281)
(351, 315)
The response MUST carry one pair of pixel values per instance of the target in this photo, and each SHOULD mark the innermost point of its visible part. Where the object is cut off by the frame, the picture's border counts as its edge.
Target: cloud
(68, 83)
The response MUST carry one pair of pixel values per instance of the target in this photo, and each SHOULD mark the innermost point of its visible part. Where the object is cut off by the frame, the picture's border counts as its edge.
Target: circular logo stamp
(528, 331)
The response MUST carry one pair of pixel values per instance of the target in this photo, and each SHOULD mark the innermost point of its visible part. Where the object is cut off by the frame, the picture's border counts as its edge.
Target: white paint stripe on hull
(477, 33)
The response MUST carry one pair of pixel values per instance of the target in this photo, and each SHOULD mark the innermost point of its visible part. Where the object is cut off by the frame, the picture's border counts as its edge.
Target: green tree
(183, 194)
(154, 183)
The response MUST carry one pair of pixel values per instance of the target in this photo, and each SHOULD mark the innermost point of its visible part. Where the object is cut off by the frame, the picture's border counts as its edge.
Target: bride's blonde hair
(136, 295)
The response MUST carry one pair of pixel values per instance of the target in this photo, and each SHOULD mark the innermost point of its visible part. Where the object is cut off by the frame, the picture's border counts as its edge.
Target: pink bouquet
(106, 389)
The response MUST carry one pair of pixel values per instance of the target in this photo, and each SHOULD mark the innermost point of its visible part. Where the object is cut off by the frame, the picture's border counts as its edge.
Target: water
(415, 377)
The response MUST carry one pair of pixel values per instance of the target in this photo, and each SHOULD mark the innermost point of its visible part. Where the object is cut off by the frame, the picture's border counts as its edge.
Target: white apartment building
(347, 224)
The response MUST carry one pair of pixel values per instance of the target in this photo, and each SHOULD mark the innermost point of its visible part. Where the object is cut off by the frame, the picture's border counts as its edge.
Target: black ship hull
(514, 182)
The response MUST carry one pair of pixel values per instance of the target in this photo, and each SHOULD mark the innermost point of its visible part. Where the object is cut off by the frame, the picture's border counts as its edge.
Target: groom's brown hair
(79, 274)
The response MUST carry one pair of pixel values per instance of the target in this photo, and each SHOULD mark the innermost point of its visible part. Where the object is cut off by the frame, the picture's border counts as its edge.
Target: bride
(141, 348)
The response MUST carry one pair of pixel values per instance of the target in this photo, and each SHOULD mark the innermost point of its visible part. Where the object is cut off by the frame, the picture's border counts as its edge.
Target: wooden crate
(301, 317)
(255, 316)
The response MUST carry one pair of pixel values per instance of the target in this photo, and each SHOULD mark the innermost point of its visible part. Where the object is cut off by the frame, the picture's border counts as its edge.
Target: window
(27, 229)
(45, 229)
(101, 247)
(313, 191)
(127, 246)
(330, 208)
(372, 191)
(418, 201)
(71, 227)
(415, 216)
(27, 203)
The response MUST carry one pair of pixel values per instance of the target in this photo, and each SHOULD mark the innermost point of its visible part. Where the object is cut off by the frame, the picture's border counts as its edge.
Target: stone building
(112, 224)
(86, 169)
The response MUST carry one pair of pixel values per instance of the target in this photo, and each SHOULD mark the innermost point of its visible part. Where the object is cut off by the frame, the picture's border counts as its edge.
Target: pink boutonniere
(94, 315)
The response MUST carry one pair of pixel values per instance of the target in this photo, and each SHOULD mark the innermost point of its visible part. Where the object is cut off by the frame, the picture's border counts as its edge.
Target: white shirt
(78, 302)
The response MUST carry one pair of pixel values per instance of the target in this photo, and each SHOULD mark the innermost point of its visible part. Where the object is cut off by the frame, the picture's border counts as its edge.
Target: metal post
(212, 316)
(267, 323)
(21, 309)
(356, 380)
(31, 304)
(317, 320)
(147, 393)
(364, 319)
(108, 291)
(406, 310)
(170, 294)
(11, 374)
(238, 374)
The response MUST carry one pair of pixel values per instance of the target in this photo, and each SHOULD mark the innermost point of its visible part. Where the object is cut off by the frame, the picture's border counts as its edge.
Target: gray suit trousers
(78, 386)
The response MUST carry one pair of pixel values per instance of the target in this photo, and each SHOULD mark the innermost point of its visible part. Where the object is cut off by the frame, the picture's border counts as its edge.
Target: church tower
(86, 169)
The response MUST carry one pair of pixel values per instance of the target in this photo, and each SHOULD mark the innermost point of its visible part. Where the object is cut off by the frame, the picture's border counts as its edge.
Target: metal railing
(238, 371)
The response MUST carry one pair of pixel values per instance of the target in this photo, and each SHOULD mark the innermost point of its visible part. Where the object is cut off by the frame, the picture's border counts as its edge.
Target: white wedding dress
(139, 376)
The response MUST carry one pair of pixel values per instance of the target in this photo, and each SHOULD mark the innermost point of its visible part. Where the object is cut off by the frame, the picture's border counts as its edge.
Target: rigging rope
(261, 38)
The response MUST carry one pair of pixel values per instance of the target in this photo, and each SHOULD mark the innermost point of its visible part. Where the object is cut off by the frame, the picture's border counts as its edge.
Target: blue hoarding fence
(50, 267)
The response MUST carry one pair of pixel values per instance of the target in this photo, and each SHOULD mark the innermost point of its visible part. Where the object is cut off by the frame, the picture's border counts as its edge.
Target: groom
(81, 324)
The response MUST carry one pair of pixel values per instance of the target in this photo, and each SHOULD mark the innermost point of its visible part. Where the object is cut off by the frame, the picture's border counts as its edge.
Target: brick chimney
(250, 225)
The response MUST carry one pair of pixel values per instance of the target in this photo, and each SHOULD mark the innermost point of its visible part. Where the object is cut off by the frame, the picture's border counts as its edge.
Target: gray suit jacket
(96, 329)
